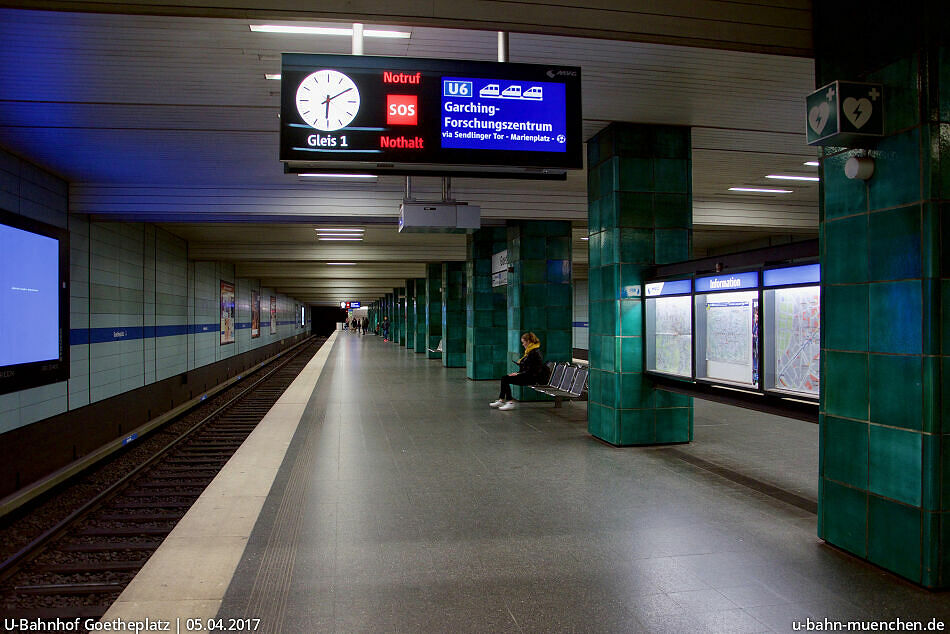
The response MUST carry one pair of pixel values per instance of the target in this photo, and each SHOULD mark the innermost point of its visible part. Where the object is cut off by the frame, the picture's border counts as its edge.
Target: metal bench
(567, 382)
(438, 348)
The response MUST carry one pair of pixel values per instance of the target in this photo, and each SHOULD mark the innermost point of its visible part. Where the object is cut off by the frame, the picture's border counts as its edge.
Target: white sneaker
(497, 403)
(507, 406)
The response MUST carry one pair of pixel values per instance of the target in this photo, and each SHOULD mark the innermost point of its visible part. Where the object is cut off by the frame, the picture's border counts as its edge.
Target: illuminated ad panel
(405, 115)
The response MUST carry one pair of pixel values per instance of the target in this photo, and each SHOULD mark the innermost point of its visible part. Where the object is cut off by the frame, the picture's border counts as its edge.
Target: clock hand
(339, 93)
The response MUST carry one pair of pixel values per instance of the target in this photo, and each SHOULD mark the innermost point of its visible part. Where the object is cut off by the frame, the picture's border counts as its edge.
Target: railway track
(78, 567)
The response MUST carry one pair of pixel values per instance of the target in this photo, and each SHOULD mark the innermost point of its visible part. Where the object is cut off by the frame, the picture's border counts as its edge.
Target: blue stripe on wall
(80, 336)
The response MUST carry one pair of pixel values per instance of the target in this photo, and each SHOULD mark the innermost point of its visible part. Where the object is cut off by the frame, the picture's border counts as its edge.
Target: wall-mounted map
(797, 339)
(673, 338)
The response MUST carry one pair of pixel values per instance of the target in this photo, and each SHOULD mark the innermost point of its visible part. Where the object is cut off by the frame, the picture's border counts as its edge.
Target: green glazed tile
(931, 550)
(901, 108)
(636, 210)
(930, 307)
(845, 317)
(896, 390)
(896, 171)
(894, 469)
(673, 425)
(672, 399)
(636, 245)
(558, 248)
(671, 142)
(845, 384)
(845, 256)
(631, 317)
(631, 354)
(634, 392)
(609, 177)
(672, 245)
(637, 427)
(844, 451)
(894, 537)
(634, 140)
(844, 517)
(636, 175)
(943, 61)
(894, 324)
(673, 211)
(894, 240)
(931, 473)
(842, 196)
(671, 175)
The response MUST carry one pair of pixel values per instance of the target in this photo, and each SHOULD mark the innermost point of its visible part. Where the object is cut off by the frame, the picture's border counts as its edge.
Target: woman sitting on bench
(531, 366)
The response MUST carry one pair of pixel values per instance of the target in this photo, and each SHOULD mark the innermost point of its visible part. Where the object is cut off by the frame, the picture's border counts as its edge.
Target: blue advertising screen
(491, 114)
(29, 297)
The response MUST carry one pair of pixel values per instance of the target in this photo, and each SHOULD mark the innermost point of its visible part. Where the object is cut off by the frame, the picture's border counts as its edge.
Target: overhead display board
(401, 115)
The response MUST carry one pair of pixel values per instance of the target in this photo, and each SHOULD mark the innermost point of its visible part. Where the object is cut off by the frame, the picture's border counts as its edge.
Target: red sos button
(402, 109)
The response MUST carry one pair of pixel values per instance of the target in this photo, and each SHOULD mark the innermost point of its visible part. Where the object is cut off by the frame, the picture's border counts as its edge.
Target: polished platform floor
(405, 504)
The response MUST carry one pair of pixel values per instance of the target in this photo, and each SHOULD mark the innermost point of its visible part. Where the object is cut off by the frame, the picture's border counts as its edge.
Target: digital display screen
(406, 115)
(34, 303)
(29, 297)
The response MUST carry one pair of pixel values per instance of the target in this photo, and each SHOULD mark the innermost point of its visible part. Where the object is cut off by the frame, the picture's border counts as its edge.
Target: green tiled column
(539, 292)
(433, 309)
(399, 315)
(885, 255)
(486, 322)
(388, 312)
(453, 314)
(639, 192)
(419, 345)
(411, 314)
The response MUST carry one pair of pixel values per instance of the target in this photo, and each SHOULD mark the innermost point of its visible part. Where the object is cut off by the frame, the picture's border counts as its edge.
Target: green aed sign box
(844, 113)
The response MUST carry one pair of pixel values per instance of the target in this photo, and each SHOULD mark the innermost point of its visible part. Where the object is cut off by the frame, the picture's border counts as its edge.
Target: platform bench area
(567, 382)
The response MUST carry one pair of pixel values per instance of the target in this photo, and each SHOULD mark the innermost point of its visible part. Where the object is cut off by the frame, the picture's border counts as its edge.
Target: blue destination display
(808, 274)
(493, 114)
(733, 282)
(675, 287)
(29, 297)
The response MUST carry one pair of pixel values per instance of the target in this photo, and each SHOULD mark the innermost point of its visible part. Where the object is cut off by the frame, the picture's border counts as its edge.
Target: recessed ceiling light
(788, 177)
(325, 30)
(274, 76)
(811, 163)
(760, 190)
(585, 238)
(329, 175)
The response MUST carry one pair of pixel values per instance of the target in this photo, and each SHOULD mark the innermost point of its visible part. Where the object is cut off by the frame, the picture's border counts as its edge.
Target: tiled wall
(884, 468)
(420, 336)
(453, 314)
(140, 312)
(639, 187)
(486, 325)
(433, 310)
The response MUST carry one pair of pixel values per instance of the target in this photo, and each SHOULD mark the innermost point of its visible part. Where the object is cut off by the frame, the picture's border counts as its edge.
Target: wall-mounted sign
(787, 276)
(729, 282)
(401, 115)
(844, 113)
(675, 287)
(499, 268)
(227, 312)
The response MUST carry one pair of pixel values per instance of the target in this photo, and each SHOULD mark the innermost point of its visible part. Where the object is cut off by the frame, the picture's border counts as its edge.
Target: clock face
(328, 100)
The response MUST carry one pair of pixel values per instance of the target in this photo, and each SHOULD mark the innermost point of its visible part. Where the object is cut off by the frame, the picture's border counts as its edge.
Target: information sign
(676, 287)
(731, 282)
(808, 274)
(405, 115)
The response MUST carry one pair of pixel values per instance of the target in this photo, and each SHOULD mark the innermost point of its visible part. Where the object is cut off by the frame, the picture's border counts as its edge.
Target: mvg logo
(452, 88)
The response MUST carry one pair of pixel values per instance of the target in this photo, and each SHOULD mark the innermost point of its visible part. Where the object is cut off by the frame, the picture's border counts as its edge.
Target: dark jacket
(532, 365)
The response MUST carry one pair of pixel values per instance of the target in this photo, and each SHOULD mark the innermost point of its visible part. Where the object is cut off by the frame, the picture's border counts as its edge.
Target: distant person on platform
(385, 328)
(531, 370)
(364, 323)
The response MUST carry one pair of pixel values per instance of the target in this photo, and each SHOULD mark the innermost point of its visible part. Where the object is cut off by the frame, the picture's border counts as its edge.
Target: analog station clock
(328, 100)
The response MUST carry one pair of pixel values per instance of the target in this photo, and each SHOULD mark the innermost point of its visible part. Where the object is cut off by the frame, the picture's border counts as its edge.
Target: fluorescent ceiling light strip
(762, 191)
(328, 175)
(326, 30)
(788, 177)
(811, 163)
(356, 236)
(340, 230)
(274, 76)
(356, 239)
(341, 263)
